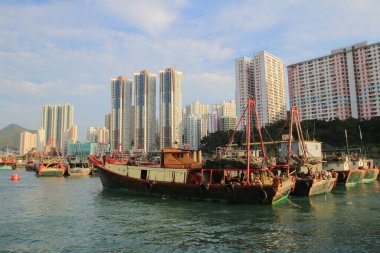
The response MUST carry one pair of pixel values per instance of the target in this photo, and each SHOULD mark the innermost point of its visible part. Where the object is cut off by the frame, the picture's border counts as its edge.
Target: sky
(67, 51)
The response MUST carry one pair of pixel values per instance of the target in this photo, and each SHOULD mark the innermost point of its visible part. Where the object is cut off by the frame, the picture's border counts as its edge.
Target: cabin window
(143, 174)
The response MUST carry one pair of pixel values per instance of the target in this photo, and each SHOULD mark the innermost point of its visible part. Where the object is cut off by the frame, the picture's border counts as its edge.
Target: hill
(11, 135)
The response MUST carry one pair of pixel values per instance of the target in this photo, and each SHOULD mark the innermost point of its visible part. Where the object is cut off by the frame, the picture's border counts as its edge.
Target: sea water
(75, 214)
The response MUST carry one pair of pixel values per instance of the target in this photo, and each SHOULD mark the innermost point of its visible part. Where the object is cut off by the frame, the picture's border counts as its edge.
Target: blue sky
(67, 51)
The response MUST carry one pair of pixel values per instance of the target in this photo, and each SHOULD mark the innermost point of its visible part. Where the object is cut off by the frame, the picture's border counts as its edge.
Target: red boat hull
(230, 193)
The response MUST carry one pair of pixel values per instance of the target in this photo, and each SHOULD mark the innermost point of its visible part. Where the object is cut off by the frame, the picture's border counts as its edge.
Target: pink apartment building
(341, 85)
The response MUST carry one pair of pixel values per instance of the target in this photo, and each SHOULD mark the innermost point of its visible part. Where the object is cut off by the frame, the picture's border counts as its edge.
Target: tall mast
(361, 142)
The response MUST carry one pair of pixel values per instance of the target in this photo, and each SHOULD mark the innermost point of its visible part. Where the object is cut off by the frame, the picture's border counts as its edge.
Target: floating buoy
(15, 177)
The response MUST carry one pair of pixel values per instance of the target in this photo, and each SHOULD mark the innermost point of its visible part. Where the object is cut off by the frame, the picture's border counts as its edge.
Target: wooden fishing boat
(7, 165)
(51, 163)
(347, 175)
(32, 160)
(370, 170)
(7, 162)
(182, 175)
(77, 163)
(79, 168)
(311, 179)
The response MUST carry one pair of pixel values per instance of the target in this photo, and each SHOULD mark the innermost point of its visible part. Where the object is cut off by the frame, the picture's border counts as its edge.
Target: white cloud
(67, 51)
(151, 16)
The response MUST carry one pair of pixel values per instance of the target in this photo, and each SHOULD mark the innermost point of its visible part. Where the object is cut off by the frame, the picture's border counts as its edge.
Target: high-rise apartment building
(262, 78)
(201, 110)
(58, 124)
(121, 131)
(193, 130)
(28, 141)
(145, 111)
(170, 108)
(244, 83)
(341, 85)
(107, 121)
(198, 114)
(222, 116)
(98, 135)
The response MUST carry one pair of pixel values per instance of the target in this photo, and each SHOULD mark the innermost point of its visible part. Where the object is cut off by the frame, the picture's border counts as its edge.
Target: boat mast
(361, 143)
(345, 133)
(248, 137)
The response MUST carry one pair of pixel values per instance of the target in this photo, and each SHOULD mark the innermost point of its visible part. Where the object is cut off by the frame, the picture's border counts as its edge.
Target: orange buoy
(15, 177)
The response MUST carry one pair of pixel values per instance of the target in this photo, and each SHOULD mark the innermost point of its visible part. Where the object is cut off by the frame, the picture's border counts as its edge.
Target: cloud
(67, 51)
(150, 16)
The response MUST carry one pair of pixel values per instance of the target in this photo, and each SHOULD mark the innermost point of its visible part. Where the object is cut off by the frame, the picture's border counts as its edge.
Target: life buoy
(261, 195)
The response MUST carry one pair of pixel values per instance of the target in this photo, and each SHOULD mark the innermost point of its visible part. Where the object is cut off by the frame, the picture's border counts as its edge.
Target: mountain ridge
(11, 135)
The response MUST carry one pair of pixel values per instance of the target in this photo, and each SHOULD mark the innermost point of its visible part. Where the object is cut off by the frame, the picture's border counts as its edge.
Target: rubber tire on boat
(262, 195)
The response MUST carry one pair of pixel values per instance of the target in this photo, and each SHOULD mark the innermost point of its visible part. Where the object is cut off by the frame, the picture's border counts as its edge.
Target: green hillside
(11, 135)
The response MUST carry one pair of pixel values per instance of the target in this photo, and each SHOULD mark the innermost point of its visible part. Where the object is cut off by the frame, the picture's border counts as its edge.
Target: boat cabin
(181, 158)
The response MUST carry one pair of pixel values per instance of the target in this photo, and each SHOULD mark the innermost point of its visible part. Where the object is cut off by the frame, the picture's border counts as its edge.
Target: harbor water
(78, 215)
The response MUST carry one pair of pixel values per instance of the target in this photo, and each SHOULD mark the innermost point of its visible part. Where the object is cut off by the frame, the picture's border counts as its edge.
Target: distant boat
(78, 164)
(181, 175)
(7, 162)
(353, 169)
(51, 163)
(32, 159)
(79, 168)
(370, 171)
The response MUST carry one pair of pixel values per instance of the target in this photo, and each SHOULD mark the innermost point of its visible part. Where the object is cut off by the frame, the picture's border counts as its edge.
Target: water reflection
(77, 215)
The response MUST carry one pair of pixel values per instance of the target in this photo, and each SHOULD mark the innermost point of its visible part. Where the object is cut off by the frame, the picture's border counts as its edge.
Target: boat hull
(350, 177)
(50, 173)
(370, 175)
(6, 167)
(310, 187)
(79, 171)
(230, 193)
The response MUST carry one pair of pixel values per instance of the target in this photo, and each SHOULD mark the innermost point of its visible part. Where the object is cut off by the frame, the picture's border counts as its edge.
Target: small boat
(51, 163)
(181, 175)
(7, 162)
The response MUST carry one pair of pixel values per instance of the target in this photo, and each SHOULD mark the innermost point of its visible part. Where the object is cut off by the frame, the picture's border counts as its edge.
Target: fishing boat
(32, 159)
(370, 170)
(361, 162)
(7, 162)
(352, 168)
(79, 167)
(311, 179)
(342, 165)
(51, 163)
(78, 164)
(181, 174)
